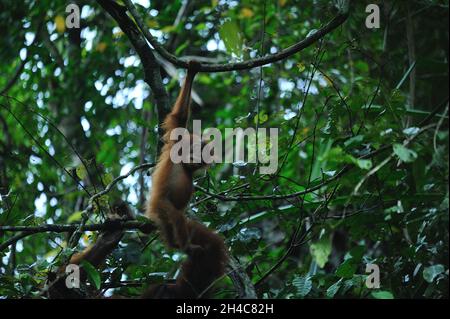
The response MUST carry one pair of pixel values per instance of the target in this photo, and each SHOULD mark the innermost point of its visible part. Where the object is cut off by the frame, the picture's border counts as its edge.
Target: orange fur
(171, 192)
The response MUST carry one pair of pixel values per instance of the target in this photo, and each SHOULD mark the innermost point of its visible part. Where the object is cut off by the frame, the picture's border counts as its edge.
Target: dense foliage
(362, 115)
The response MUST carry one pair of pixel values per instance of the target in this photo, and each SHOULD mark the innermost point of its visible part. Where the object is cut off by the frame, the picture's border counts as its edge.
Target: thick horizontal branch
(249, 64)
(25, 231)
(142, 226)
(78, 228)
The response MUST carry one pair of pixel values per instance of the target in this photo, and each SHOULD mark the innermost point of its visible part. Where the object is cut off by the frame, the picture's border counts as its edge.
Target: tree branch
(241, 281)
(77, 229)
(108, 226)
(249, 64)
(145, 227)
(344, 170)
(13, 240)
(151, 67)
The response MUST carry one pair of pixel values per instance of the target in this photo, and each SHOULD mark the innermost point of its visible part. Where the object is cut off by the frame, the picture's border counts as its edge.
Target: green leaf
(74, 217)
(431, 272)
(181, 48)
(92, 273)
(357, 253)
(231, 37)
(106, 153)
(303, 285)
(405, 154)
(364, 163)
(347, 269)
(108, 178)
(333, 289)
(60, 24)
(354, 282)
(201, 26)
(81, 172)
(382, 294)
(397, 98)
(362, 66)
(321, 250)
(353, 141)
(301, 66)
(262, 116)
